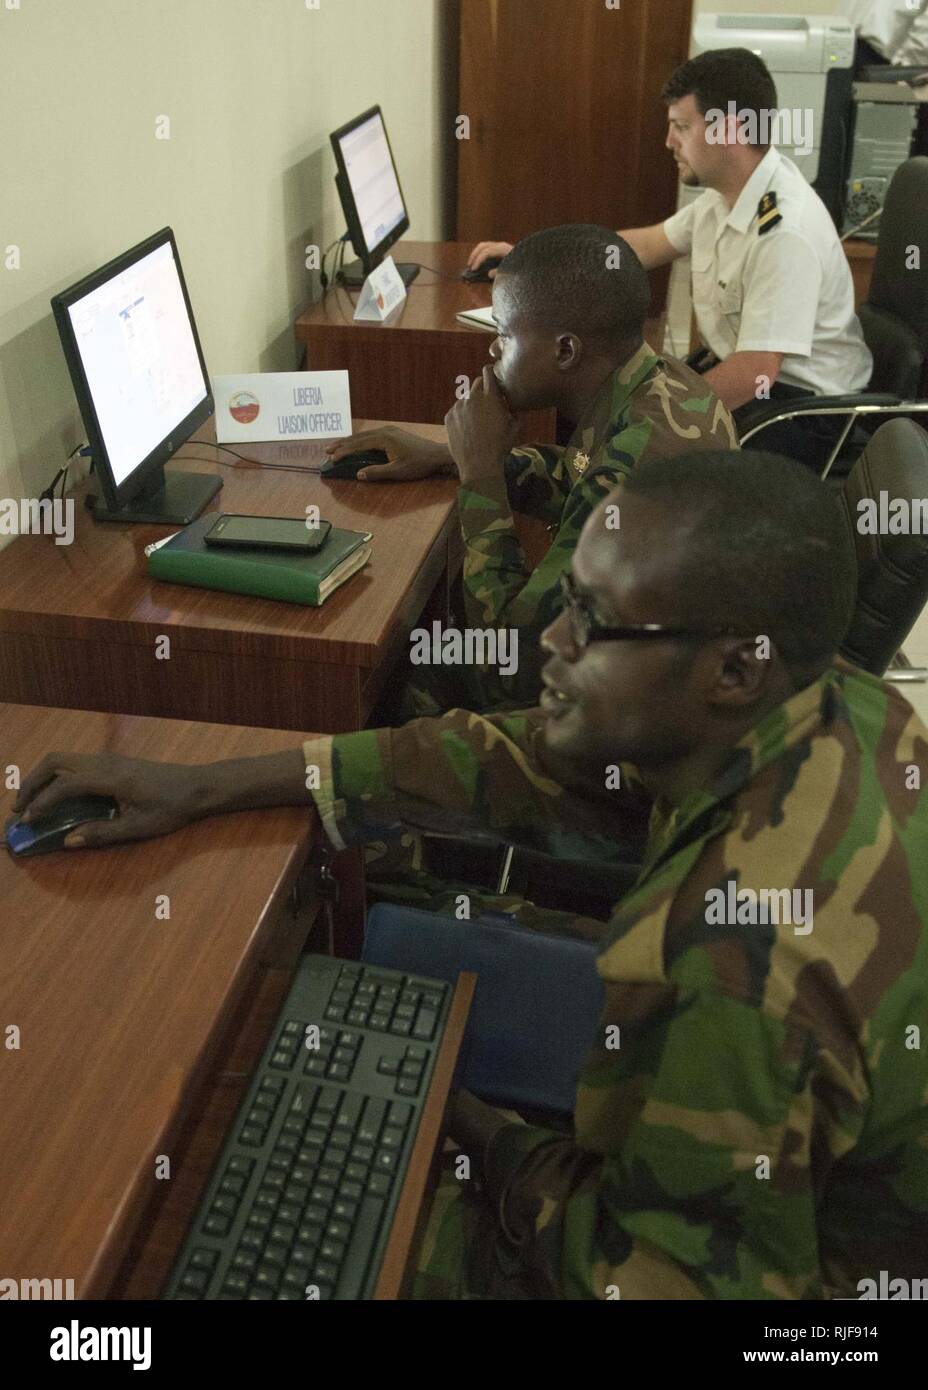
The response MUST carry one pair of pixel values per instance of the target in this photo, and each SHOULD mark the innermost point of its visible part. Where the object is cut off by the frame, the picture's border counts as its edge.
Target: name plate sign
(268, 406)
(383, 291)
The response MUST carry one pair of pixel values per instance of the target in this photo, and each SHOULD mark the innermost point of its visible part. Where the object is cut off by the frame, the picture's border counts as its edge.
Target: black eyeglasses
(585, 627)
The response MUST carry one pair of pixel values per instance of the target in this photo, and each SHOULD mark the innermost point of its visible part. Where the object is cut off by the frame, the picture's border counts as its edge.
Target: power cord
(62, 474)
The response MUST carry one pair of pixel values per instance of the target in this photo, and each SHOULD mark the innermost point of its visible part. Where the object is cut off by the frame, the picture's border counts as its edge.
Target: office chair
(894, 319)
(892, 570)
(537, 1004)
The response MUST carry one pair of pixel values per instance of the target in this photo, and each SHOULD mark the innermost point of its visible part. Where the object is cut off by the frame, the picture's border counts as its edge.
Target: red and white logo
(244, 407)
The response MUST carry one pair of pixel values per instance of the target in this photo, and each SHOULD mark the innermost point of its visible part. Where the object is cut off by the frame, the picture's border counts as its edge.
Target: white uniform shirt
(897, 30)
(787, 290)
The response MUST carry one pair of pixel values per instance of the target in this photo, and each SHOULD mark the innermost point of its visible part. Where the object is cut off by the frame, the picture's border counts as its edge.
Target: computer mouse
(47, 833)
(348, 467)
(482, 271)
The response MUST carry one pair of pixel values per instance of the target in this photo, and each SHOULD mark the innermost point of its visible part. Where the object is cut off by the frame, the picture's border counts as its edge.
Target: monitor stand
(176, 502)
(352, 276)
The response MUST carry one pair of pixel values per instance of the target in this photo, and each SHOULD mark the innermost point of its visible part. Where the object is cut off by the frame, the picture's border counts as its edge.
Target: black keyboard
(301, 1200)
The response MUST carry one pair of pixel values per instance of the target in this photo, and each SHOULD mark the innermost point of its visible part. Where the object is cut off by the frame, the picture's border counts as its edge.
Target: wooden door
(566, 120)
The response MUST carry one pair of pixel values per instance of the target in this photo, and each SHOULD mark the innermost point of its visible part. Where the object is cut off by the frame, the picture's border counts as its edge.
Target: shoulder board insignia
(768, 214)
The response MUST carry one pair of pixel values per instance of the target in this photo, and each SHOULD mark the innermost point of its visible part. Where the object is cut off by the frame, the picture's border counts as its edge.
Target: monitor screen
(138, 351)
(372, 178)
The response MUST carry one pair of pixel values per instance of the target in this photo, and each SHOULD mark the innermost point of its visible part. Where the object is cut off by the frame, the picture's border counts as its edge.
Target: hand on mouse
(481, 429)
(409, 456)
(484, 250)
(154, 798)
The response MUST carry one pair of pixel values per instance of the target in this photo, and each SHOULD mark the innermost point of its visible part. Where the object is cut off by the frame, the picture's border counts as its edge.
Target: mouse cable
(253, 463)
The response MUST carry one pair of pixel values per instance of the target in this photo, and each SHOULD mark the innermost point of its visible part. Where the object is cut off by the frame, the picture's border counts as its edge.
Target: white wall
(252, 88)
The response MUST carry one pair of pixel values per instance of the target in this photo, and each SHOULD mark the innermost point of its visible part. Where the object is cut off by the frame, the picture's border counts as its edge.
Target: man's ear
(742, 671)
(569, 352)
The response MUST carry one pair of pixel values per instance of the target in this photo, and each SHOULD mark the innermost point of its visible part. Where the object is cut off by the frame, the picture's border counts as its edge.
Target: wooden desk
(79, 623)
(860, 256)
(138, 1034)
(120, 1013)
(408, 367)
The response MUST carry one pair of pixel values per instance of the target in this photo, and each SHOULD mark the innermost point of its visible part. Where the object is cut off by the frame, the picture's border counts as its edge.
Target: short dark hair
(771, 551)
(571, 279)
(724, 75)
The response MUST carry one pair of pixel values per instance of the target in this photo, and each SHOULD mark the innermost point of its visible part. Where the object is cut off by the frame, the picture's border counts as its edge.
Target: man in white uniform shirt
(772, 289)
(895, 30)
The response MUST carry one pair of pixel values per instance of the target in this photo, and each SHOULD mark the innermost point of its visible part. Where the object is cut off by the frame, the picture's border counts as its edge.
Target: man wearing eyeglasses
(760, 1131)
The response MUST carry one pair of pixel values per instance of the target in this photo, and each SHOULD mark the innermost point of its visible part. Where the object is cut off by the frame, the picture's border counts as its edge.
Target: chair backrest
(894, 316)
(892, 564)
(536, 1006)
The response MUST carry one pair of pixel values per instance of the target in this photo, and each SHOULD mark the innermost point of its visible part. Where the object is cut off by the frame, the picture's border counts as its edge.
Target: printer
(811, 59)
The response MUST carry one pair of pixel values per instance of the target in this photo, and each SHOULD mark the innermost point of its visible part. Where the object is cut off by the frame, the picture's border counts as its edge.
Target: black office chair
(892, 570)
(894, 319)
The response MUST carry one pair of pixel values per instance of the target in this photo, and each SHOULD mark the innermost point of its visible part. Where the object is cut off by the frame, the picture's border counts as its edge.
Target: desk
(124, 1016)
(79, 623)
(410, 364)
(860, 257)
(120, 1012)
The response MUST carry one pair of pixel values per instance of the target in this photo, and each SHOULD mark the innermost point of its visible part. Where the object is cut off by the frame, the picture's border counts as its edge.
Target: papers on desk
(479, 318)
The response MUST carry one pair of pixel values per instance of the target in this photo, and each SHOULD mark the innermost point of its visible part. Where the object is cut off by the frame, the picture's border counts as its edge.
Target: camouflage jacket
(651, 407)
(761, 1130)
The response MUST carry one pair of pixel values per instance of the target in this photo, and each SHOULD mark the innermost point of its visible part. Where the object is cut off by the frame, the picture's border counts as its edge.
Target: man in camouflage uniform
(570, 304)
(761, 1130)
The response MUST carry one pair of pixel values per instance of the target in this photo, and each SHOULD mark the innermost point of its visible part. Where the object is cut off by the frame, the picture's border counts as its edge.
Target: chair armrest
(806, 405)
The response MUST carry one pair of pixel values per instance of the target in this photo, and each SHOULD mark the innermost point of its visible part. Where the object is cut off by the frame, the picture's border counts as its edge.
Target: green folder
(283, 574)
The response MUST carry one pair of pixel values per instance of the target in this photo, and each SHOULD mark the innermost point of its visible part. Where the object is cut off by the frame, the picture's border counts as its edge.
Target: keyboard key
(358, 1254)
(402, 1027)
(415, 1053)
(425, 1025)
(353, 1191)
(388, 1066)
(284, 1232)
(400, 1113)
(380, 1021)
(379, 1184)
(252, 1241)
(267, 1277)
(327, 1100)
(203, 1259)
(244, 1261)
(283, 1061)
(407, 1086)
(405, 1010)
(276, 1253)
(338, 1230)
(392, 1138)
(324, 1272)
(252, 1136)
(321, 1196)
(332, 1250)
(195, 1281)
(235, 1286)
(315, 1065)
(338, 1071)
(343, 1210)
(239, 1164)
(356, 1172)
(216, 1225)
(385, 1162)
(410, 1068)
(362, 1153)
(289, 1211)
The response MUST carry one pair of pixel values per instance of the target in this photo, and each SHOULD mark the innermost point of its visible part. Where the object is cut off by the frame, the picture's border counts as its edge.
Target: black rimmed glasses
(585, 627)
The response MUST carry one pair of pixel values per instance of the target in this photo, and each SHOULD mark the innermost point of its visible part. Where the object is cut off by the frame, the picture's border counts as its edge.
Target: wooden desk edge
(397, 1260)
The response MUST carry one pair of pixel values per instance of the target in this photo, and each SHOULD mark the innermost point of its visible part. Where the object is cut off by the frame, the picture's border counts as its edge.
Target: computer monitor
(372, 200)
(138, 373)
